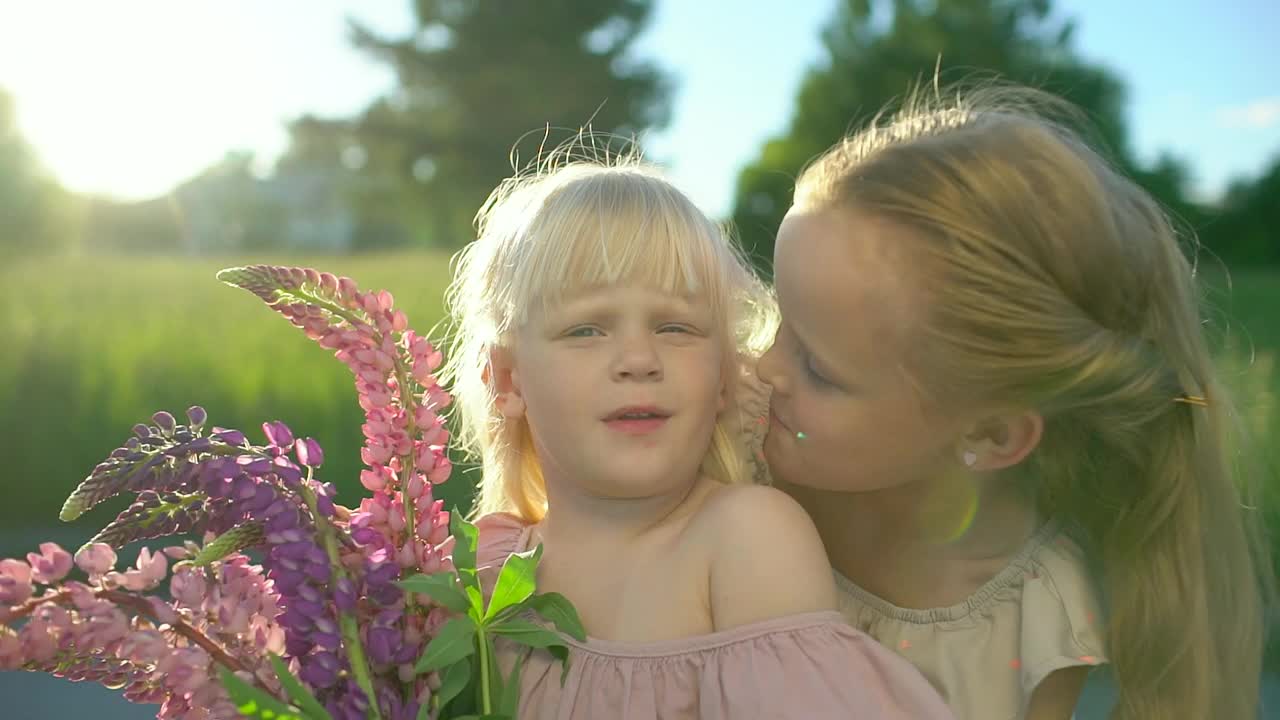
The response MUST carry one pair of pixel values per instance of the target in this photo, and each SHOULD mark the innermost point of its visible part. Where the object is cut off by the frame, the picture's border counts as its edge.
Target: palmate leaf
(466, 539)
(254, 703)
(453, 642)
(453, 680)
(534, 636)
(441, 587)
(515, 581)
(510, 698)
(557, 609)
(298, 692)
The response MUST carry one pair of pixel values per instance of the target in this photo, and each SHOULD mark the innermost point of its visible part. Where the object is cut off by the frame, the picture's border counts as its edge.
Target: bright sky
(133, 96)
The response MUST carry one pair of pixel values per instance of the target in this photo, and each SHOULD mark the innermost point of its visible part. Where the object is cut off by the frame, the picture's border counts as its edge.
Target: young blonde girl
(993, 394)
(598, 318)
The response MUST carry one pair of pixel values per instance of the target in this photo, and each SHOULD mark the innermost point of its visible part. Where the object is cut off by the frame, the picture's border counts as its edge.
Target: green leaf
(515, 581)
(441, 587)
(557, 610)
(298, 693)
(472, 589)
(466, 538)
(452, 643)
(453, 681)
(535, 636)
(510, 696)
(254, 703)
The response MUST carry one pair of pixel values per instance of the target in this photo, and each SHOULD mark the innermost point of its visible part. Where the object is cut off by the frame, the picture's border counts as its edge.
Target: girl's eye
(582, 332)
(675, 327)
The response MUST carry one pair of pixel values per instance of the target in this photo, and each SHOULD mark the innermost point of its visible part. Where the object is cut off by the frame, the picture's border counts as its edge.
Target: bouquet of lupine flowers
(292, 606)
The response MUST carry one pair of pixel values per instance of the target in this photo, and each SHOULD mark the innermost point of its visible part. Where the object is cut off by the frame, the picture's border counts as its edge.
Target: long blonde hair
(1054, 282)
(580, 220)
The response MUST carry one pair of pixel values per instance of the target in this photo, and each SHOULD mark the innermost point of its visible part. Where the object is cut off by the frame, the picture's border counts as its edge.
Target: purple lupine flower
(230, 437)
(165, 422)
(278, 434)
(309, 452)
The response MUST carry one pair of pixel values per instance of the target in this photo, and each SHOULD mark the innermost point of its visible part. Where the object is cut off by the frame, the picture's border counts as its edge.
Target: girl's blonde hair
(574, 223)
(1053, 282)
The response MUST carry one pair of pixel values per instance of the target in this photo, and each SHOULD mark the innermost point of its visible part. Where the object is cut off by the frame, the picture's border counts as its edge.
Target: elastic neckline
(713, 640)
(1010, 575)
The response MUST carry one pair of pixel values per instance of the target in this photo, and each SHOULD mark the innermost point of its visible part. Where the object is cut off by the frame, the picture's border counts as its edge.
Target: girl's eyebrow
(596, 304)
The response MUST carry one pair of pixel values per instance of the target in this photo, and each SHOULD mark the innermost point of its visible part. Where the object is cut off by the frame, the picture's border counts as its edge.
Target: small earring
(970, 458)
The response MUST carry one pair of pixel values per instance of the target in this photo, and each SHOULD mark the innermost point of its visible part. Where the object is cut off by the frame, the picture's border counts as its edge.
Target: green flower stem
(346, 621)
(485, 703)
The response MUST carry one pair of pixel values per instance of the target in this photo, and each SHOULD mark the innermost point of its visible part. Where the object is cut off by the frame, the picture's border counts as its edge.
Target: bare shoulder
(767, 560)
(734, 510)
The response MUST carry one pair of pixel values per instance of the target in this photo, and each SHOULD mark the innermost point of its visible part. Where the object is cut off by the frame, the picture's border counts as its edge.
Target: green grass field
(93, 345)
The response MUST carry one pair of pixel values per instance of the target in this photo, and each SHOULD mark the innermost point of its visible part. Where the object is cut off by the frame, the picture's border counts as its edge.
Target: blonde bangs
(614, 226)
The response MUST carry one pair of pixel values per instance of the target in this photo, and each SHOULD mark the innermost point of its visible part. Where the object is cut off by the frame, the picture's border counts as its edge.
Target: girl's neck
(575, 517)
(924, 544)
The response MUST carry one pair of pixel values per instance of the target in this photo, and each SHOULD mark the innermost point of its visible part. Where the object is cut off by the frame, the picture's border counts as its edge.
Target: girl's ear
(1001, 441)
(501, 375)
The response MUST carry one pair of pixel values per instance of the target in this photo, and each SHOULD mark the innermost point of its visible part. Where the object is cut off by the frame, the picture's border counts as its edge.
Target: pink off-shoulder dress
(812, 665)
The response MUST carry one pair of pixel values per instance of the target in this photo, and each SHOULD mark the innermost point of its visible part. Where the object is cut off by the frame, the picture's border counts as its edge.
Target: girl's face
(621, 387)
(849, 302)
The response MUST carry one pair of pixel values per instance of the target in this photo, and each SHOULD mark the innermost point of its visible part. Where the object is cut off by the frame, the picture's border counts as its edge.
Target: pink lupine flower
(443, 468)
(188, 587)
(39, 639)
(375, 454)
(15, 582)
(375, 478)
(96, 559)
(150, 572)
(50, 565)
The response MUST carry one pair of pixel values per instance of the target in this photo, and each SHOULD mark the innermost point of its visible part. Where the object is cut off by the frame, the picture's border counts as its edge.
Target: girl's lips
(636, 426)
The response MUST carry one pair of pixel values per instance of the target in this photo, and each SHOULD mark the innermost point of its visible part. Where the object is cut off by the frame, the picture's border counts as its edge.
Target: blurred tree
(226, 208)
(381, 203)
(878, 51)
(1247, 227)
(37, 216)
(476, 77)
